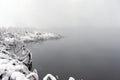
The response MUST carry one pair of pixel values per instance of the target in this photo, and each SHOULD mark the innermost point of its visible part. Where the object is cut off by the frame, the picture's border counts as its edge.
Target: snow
(16, 70)
(27, 36)
(15, 67)
(71, 78)
(49, 77)
(37, 36)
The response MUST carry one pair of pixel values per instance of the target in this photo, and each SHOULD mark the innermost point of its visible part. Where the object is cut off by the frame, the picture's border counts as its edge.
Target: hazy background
(90, 49)
(59, 13)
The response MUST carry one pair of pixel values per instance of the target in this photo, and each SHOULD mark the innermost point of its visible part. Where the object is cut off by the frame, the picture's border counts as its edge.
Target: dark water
(84, 53)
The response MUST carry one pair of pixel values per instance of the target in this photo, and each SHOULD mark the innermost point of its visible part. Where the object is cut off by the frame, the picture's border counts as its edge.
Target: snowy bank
(27, 36)
(12, 66)
(16, 67)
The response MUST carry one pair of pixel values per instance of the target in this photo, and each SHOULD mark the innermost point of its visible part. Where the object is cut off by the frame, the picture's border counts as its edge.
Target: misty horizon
(63, 13)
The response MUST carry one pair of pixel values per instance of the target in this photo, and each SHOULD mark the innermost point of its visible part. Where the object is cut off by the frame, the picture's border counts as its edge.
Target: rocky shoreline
(16, 59)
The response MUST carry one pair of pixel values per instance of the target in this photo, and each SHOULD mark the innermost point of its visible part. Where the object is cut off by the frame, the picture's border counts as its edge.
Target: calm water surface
(84, 53)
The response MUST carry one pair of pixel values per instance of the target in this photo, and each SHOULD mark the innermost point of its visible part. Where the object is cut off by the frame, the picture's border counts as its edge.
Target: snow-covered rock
(37, 36)
(27, 36)
(14, 67)
(49, 77)
(71, 78)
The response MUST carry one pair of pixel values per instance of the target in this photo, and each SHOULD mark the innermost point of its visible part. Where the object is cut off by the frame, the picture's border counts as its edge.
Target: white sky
(59, 13)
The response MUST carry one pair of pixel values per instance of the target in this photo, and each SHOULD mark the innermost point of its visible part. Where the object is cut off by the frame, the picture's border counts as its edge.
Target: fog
(59, 13)
(90, 49)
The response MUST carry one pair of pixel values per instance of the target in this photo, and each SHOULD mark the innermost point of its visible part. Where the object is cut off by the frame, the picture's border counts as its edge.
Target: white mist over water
(59, 13)
(96, 51)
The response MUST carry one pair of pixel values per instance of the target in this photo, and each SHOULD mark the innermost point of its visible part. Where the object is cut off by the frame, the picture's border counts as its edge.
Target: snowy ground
(15, 67)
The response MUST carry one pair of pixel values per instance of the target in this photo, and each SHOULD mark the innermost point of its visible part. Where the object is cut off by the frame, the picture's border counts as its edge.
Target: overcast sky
(59, 13)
